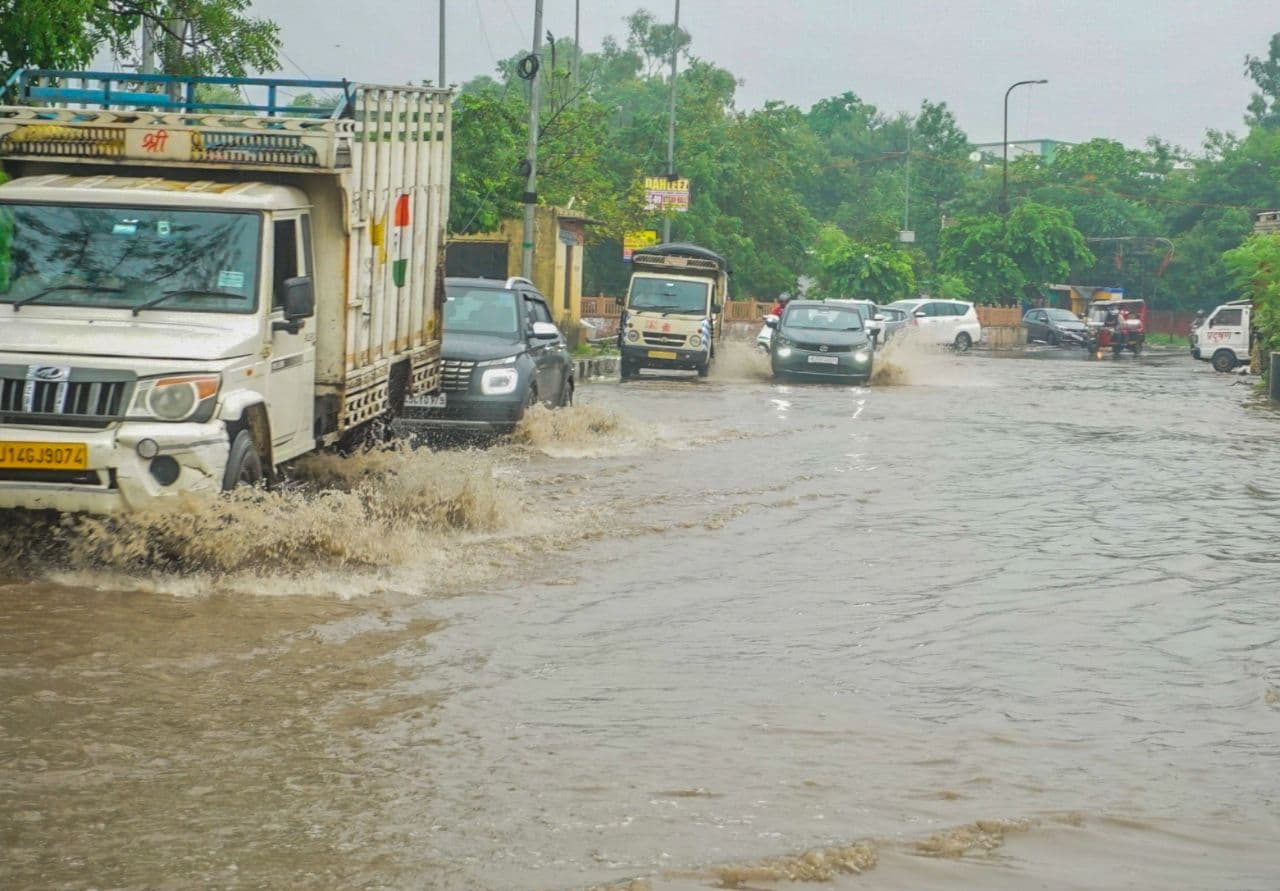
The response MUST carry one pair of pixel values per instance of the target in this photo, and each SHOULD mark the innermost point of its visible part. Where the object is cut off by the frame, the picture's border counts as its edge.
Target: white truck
(673, 313)
(1225, 337)
(194, 295)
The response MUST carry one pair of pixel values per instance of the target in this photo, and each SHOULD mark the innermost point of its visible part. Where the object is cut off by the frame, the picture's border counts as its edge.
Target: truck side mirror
(298, 298)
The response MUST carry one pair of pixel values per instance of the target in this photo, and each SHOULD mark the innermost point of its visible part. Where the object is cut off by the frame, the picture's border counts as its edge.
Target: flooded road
(1006, 624)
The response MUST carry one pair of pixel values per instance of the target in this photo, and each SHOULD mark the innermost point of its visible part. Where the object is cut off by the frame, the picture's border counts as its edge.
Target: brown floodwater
(996, 624)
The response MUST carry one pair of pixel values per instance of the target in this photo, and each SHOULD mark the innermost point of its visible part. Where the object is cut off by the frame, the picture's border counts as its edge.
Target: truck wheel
(626, 370)
(704, 369)
(244, 465)
(1224, 361)
(963, 342)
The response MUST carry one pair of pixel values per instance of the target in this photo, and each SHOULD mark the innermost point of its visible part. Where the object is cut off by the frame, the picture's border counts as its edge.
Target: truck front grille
(675, 340)
(825, 348)
(455, 375)
(82, 397)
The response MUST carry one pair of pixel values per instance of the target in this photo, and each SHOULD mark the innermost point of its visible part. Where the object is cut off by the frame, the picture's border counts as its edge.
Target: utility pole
(530, 197)
(671, 120)
(906, 210)
(148, 65)
(441, 83)
(577, 41)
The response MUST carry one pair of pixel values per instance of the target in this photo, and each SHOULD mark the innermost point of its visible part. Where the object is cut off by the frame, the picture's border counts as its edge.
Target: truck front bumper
(643, 356)
(116, 477)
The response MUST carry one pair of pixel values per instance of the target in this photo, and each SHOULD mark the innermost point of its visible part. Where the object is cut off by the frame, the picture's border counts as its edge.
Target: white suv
(945, 322)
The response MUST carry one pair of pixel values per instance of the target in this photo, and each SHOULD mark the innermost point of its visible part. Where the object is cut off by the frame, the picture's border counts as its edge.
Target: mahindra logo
(49, 373)
(823, 348)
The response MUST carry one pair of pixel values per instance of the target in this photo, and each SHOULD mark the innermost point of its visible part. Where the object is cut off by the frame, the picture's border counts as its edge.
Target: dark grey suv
(501, 354)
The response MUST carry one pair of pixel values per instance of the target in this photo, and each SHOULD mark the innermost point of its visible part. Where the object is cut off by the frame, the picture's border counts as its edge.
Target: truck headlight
(499, 381)
(176, 398)
(695, 340)
(633, 335)
(861, 356)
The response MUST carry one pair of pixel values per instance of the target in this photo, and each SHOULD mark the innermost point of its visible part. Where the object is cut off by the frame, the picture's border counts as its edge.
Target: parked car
(817, 339)
(891, 322)
(871, 317)
(943, 322)
(1056, 327)
(501, 355)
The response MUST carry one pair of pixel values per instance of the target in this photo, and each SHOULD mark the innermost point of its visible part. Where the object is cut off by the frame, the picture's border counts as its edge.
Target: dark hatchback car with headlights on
(501, 354)
(816, 339)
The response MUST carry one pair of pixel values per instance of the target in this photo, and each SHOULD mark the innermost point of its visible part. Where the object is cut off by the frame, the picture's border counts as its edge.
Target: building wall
(559, 239)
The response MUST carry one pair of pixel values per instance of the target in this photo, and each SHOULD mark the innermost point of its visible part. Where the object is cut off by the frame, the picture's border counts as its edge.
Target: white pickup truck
(193, 296)
(1225, 337)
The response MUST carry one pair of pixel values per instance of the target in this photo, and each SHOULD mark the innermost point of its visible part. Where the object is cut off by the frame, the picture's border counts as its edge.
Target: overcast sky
(1122, 69)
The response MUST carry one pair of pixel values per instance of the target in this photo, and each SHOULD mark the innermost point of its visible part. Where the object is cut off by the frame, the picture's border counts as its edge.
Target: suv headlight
(177, 398)
(861, 356)
(499, 381)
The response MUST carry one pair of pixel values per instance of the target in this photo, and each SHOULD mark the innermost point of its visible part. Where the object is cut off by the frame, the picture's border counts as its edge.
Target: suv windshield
(124, 257)
(668, 295)
(481, 311)
(822, 318)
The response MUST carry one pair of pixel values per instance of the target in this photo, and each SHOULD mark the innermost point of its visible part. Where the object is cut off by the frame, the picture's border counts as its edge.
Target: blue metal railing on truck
(155, 92)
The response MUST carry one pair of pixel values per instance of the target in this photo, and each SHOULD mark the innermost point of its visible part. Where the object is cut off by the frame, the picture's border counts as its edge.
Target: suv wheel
(963, 342)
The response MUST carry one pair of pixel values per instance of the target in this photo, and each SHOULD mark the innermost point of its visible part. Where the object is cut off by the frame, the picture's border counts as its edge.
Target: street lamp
(1004, 188)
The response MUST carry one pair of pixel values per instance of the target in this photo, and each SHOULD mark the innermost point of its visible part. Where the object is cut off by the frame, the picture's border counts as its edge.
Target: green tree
(846, 268)
(221, 38)
(1004, 260)
(1255, 268)
(1264, 105)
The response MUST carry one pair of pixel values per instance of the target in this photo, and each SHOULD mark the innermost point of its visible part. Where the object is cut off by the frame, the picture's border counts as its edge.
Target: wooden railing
(754, 311)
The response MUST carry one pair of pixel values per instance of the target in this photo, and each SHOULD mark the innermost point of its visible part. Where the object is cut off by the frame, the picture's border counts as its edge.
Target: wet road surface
(1007, 624)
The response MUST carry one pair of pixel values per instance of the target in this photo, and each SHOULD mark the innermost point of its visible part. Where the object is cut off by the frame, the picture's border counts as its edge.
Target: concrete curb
(595, 368)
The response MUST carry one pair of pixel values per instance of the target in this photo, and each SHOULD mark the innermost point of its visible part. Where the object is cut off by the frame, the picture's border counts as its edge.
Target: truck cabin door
(1228, 327)
(291, 384)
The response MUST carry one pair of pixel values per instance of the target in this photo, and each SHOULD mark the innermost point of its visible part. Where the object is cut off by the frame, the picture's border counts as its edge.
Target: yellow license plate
(44, 455)
(662, 354)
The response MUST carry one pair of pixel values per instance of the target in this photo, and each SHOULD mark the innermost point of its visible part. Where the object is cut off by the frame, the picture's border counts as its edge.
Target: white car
(943, 322)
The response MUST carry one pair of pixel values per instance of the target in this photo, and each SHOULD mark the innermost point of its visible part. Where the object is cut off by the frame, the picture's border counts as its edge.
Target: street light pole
(1004, 187)
(671, 122)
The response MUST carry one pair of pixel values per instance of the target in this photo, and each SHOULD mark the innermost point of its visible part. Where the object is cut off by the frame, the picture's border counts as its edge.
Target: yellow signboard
(662, 194)
(634, 241)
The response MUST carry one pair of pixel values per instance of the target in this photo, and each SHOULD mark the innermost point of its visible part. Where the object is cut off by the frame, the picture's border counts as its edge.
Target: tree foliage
(1255, 268)
(1005, 260)
(195, 36)
(786, 192)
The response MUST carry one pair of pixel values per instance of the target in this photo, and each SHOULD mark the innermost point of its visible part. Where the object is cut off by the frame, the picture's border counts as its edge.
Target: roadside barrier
(595, 368)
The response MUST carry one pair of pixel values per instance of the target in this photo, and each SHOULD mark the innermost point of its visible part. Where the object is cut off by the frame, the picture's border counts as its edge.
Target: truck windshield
(668, 295)
(125, 257)
(481, 311)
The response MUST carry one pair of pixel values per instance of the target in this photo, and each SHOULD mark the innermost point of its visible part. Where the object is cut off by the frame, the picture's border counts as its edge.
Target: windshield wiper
(18, 304)
(185, 292)
(667, 310)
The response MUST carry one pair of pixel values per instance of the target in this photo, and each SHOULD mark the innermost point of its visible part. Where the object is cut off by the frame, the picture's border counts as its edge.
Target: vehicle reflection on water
(1007, 624)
